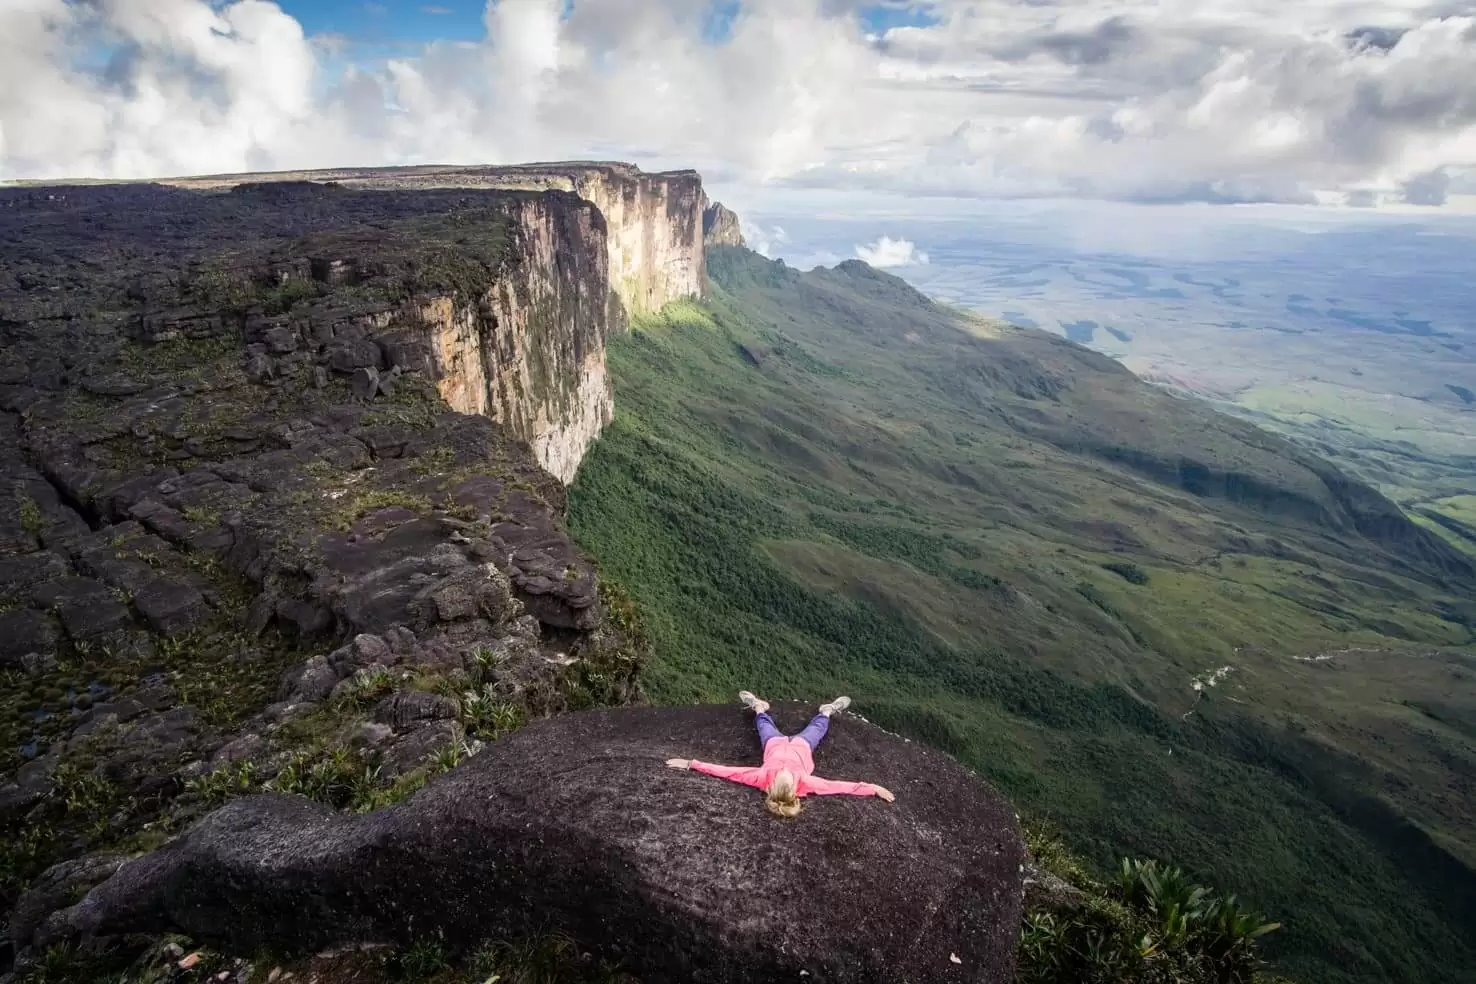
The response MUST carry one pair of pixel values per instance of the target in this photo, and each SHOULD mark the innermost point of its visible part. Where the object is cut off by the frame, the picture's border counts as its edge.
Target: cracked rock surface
(226, 564)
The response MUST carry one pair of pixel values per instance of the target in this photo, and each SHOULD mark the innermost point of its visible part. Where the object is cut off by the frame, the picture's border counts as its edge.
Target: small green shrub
(422, 960)
(201, 517)
(32, 520)
(356, 507)
(281, 298)
(1152, 925)
(549, 957)
(449, 756)
(489, 718)
(369, 687)
(226, 783)
(341, 780)
(1051, 853)
(1131, 573)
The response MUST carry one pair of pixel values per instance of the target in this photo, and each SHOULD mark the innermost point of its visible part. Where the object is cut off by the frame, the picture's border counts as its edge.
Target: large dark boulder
(574, 822)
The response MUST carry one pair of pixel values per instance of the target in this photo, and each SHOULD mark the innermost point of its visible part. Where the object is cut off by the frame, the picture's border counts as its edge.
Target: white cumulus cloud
(1142, 100)
(889, 252)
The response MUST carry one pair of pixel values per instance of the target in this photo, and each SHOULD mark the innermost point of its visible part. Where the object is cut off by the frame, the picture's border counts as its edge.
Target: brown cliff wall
(530, 351)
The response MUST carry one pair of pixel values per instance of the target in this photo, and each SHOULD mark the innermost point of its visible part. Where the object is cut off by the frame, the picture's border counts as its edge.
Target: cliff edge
(530, 350)
(654, 221)
(575, 822)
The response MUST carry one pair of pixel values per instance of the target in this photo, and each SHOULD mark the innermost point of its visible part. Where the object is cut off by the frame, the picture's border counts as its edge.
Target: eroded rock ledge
(575, 822)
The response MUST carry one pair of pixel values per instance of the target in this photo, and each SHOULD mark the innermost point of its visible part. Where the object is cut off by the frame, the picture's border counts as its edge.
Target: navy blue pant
(814, 731)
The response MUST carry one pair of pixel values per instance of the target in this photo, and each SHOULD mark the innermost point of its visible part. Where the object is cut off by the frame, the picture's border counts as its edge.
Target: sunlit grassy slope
(1007, 546)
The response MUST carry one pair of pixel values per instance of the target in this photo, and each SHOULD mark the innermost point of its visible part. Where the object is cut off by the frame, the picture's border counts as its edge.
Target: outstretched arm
(733, 773)
(830, 787)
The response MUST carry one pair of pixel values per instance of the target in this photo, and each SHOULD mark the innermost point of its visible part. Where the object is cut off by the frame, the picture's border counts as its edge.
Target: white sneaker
(757, 704)
(835, 706)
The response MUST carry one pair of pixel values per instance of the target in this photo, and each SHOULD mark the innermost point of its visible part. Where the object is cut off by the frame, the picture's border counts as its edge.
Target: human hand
(679, 763)
(882, 793)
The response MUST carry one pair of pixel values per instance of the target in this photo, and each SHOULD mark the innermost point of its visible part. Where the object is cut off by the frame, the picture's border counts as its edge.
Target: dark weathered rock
(313, 680)
(190, 501)
(1045, 892)
(171, 606)
(411, 750)
(401, 711)
(365, 383)
(23, 633)
(575, 822)
(87, 608)
(347, 355)
(17, 572)
(58, 888)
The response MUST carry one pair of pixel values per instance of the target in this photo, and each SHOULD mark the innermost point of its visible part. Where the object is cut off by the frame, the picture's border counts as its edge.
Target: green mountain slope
(1171, 633)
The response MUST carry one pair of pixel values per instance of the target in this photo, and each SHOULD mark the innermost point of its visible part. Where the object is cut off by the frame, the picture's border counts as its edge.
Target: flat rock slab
(575, 822)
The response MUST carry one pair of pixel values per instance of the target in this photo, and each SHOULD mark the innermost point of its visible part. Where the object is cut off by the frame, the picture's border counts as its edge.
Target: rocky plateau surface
(245, 543)
(674, 876)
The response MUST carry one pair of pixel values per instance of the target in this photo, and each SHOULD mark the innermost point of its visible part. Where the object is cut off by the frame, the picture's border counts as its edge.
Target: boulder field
(574, 823)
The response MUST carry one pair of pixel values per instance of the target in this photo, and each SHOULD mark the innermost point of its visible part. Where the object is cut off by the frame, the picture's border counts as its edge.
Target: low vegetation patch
(1151, 924)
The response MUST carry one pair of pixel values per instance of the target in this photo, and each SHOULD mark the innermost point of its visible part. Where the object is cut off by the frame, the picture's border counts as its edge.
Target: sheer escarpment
(528, 349)
(529, 352)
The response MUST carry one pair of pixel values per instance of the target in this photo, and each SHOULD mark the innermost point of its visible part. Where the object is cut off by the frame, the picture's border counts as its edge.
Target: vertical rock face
(531, 352)
(720, 226)
(655, 222)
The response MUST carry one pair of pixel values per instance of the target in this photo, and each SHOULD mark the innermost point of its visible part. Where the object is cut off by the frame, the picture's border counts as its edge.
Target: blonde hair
(782, 797)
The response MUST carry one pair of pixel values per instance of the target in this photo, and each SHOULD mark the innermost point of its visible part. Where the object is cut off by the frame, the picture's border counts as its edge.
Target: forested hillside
(1171, 634)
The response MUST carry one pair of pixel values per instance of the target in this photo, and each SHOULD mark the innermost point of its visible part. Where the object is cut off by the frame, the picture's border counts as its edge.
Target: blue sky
(392, 22)
(388, 21)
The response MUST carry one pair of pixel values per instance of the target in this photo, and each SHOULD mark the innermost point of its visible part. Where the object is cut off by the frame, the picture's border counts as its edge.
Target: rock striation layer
(575, 823)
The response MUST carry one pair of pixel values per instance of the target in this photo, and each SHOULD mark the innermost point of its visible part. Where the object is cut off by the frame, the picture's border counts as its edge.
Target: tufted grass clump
(226, 783)
(369, 686)
(546, 957)
(422, 960)
(32, 521)
(341, 779)
(488, 717)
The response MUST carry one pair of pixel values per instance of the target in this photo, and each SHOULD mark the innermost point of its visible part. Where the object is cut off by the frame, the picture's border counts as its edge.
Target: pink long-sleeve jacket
(786, 753)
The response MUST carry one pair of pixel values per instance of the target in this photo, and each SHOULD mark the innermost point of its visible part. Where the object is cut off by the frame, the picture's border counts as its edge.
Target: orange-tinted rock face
(531, 352)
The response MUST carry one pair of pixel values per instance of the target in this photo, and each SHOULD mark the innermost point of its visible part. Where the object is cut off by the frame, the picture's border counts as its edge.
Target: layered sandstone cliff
(529, 350)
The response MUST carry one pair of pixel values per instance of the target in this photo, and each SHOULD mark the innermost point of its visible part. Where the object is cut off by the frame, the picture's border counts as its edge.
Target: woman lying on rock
(788, 771)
